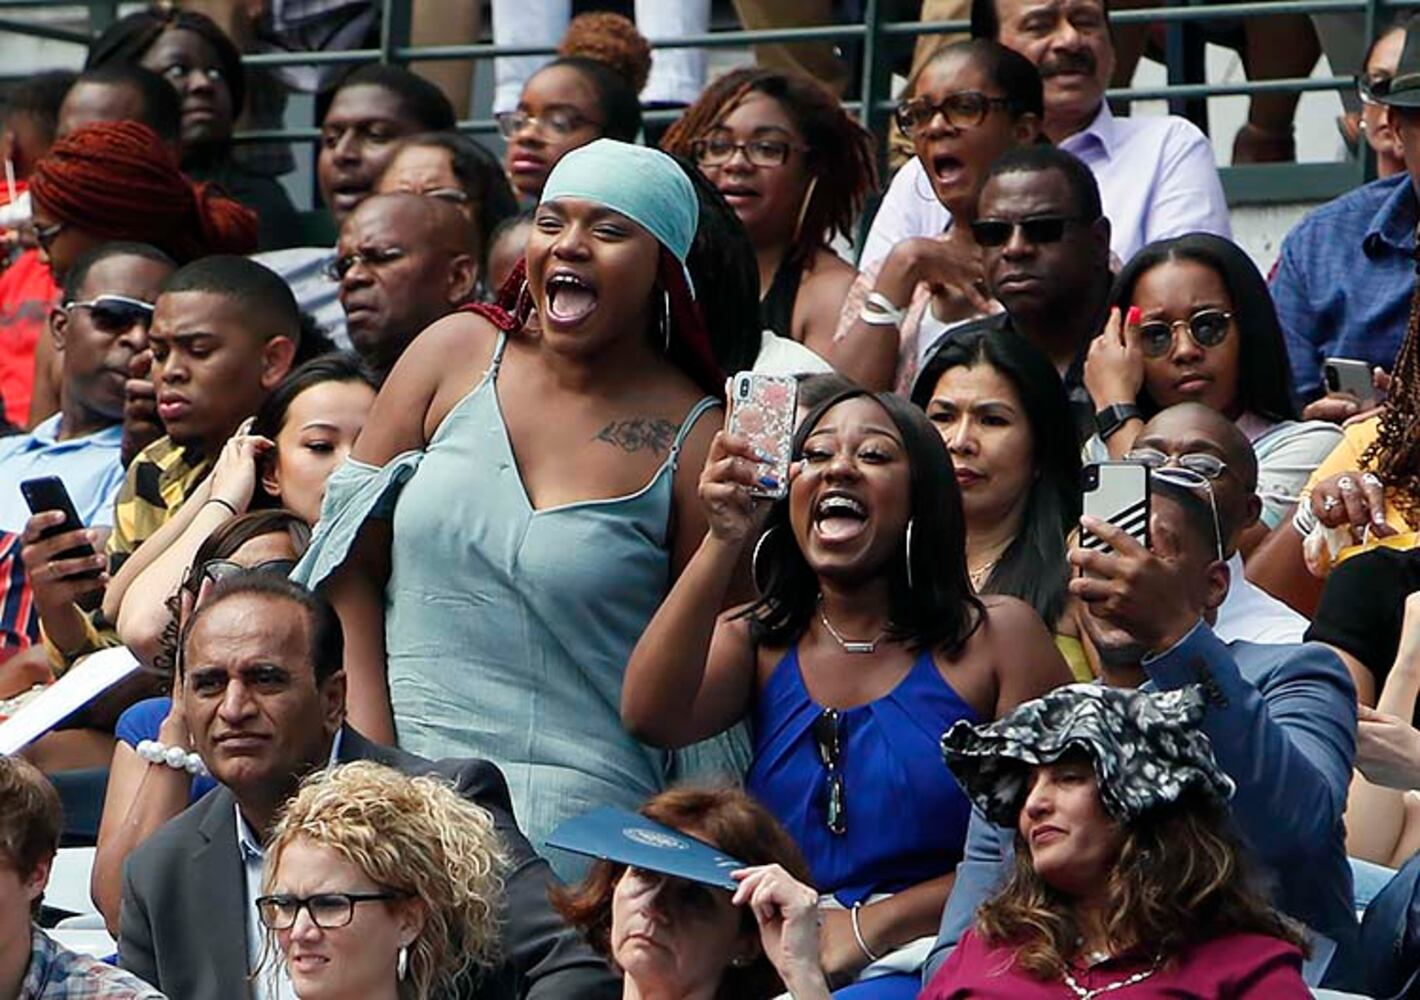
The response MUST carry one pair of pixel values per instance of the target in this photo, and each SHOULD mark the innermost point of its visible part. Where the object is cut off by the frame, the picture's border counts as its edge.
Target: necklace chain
(849, 645)
(1137, 977)
(978, 576)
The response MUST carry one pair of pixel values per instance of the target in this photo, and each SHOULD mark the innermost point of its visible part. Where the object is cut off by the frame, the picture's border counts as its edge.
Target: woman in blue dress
(866, 644)
(523, 495)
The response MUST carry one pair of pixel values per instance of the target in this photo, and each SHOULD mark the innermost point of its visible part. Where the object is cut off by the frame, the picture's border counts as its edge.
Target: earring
(754, 557)
(666, 317)
(908, 547)
(804, 208)
(402, 964)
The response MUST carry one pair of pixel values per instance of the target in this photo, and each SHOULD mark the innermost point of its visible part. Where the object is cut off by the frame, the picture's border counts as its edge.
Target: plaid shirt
(56, 973)
(19, 620)
(159, 480)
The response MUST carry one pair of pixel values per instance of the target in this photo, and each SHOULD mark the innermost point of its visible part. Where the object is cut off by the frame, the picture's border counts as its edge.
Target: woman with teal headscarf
(524, 493)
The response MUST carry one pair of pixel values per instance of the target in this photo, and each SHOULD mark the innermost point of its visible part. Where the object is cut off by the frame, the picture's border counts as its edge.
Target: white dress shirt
(1251, 614)
(1156, 175)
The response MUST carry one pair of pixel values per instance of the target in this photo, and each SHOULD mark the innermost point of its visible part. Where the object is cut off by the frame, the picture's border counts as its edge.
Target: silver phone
(1347, 375)
(1117, 492)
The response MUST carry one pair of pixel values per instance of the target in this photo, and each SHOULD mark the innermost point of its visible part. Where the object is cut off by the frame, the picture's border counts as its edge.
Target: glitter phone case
(762, 409)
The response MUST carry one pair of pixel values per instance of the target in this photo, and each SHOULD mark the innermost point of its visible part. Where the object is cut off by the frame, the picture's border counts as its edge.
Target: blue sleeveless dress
(507, 629)
(906, 817)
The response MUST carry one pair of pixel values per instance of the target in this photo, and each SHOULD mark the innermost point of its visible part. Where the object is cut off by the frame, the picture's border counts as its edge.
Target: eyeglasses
(1371, 87)
(720, 150)
(112, 313)
(961, 109)
(828, 736)
(46, 235)
(1038, 230)
(328, 910)
(1207, 327)
(1200, 462)
(1193, 482)
(374, 259)
(558, 121)
(218, 570)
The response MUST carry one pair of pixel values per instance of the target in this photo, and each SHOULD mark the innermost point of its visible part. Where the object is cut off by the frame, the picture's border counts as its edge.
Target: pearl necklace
(1085, 994)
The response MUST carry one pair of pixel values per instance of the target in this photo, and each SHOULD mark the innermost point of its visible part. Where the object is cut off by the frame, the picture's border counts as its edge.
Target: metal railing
(1254, 183)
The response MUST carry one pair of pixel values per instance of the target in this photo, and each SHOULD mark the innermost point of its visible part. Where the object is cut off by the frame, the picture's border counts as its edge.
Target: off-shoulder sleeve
(355, 492)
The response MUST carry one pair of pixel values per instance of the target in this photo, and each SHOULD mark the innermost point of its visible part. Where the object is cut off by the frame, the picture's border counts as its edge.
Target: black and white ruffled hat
(1146, 748)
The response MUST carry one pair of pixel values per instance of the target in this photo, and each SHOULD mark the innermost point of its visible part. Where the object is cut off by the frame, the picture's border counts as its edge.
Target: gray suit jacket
(183, 925)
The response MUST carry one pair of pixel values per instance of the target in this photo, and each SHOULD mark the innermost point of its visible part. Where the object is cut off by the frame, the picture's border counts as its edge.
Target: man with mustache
(1156, 174)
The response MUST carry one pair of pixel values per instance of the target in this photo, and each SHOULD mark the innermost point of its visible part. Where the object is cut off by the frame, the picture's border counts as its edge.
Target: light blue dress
(507, 629)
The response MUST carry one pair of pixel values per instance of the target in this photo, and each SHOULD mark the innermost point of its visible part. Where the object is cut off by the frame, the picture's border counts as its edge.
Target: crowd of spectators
(427, 537)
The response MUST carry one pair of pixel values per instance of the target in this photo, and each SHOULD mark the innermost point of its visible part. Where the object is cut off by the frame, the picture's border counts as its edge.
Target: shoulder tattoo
(639, 434)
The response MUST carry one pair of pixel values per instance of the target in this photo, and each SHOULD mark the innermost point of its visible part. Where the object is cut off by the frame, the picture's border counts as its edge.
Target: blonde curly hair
(412, 835)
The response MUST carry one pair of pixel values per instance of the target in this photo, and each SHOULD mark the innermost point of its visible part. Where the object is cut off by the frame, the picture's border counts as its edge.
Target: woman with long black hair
(866, 643)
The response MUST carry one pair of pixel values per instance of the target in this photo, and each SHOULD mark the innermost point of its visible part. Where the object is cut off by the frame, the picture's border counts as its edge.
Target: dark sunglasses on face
(115, 313)
(46, 235)
(328, 910)
(1207, 327)
(218, 570)
(720, 150)
(828, 737)
(1038, 229)
(961, 109)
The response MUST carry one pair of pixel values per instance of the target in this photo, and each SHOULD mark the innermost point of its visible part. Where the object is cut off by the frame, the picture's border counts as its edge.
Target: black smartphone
(48, 493)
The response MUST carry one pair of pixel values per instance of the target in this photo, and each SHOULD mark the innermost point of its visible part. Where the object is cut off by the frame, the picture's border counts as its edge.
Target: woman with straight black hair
(1192, 321)
(1001, 410)
(865, 644)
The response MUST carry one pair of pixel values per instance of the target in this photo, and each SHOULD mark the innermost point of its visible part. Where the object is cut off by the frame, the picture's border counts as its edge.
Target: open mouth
(348, 194)
(840, 518)
(948, 169)
(738, 193)
(569, 298)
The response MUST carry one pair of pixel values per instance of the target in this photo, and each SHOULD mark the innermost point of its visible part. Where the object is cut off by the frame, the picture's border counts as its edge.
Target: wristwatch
(1115, 416)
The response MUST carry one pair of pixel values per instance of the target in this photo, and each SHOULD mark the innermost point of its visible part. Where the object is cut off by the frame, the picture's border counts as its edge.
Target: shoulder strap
(696, 412)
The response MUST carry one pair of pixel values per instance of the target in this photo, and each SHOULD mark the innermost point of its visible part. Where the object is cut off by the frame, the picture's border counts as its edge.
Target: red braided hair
(690, 349)
(118, 181)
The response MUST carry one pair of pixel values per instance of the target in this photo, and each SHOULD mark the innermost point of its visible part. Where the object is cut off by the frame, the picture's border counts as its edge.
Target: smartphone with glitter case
(762, 410)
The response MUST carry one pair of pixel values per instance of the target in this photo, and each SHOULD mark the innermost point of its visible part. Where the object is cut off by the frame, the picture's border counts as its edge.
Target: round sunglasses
(1207, 327)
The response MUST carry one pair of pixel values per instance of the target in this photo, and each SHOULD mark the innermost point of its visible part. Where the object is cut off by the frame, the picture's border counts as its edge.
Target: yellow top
(1074, 653)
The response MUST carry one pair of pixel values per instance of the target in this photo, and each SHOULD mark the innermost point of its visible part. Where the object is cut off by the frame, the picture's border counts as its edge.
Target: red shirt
(1236, 966)
(27, 291)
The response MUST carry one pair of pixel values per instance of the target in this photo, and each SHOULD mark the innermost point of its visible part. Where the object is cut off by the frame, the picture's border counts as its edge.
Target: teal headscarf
(643, 184)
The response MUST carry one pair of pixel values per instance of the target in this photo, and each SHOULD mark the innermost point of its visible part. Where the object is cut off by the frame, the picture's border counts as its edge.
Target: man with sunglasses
(403, 261)
(1281, 719)
(99, 326)
(261, 685)
(1156, 173)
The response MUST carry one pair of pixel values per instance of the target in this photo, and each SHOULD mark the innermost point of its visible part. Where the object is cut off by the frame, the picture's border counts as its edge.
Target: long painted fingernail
(769, 482)
(1132, 319)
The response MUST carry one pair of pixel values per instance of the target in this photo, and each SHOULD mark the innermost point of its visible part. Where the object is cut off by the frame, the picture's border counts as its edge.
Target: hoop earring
(402, 964)
(666, 317)
(804, 209)
(908, 547)
(754, 557)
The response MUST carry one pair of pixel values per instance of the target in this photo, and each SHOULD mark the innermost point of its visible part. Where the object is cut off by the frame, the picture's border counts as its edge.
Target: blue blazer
(1282, 720)
(1390, 935)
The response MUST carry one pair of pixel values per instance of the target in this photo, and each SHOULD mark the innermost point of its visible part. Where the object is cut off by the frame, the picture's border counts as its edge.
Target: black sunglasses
(828, 737)
(113, 313)
(1207, 327)
(1038, 229)
(218, 570)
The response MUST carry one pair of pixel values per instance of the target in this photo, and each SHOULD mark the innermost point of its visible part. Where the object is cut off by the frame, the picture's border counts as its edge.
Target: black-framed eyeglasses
(1194, 482)
(1206, 465)
(1038, 230)
(373, 259)
(716, 151)
(828, 737)
(113, 313)
(46, 235)
(328, 910)
(961, 109)
(558, 121)
(1207, 327)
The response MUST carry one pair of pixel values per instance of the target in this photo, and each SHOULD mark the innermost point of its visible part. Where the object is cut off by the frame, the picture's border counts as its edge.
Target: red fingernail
(1132, 319)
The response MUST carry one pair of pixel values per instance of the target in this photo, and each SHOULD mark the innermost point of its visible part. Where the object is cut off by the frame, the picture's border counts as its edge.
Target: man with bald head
(1202, 439)
(403, 261)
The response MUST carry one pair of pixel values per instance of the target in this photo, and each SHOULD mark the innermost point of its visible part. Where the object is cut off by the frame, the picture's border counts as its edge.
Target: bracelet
(1304, 518)
(878, 310)
(174, 757)
(879, 319)
(235, 512)
(858, 933)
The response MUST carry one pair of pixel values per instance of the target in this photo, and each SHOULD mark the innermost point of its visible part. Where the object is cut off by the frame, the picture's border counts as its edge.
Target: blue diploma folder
(629, 838)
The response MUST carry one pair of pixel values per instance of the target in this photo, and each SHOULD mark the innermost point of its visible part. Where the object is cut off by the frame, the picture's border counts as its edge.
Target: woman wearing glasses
(381, 886)
(1001, 409)
(303, 431)
(866, 644)
(970, 103)
(796, 169)
(147, 790)
(1199, 326)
